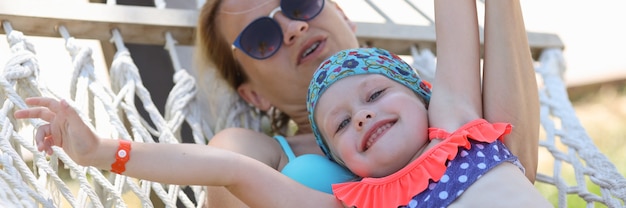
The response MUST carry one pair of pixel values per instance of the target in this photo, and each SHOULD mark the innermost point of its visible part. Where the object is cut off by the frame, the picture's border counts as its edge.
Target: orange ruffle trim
(398, 188)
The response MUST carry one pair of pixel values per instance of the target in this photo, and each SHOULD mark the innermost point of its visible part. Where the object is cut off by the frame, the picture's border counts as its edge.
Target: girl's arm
(456, 97)
(246, 142)
(255, 183)
(510, 88)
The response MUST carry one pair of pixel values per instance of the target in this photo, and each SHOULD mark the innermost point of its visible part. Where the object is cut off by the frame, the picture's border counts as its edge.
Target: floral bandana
(356, 62)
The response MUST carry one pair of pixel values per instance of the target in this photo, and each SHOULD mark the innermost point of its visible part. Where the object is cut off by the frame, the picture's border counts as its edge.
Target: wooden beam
(395, 37)
(147, 25)
(398, 38)
(137, 24)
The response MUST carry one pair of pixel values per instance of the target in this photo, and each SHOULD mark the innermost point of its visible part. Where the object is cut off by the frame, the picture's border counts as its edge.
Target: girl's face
(283, 78)
(374, 124)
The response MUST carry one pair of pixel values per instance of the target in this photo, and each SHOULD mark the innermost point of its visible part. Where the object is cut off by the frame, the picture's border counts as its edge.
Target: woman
(277, 77)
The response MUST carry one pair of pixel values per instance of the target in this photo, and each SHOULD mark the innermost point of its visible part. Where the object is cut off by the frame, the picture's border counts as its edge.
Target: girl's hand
(64, 129)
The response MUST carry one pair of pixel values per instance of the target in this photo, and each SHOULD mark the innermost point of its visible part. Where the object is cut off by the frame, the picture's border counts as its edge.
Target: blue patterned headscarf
(356, 62)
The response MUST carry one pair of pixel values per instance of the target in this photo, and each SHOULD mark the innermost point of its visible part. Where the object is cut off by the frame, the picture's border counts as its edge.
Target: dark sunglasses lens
(301, 9)
(262, 38)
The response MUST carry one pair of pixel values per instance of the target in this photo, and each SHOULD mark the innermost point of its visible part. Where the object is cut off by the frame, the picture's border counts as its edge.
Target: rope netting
(37, 180)
(570, 145)
(40, 183)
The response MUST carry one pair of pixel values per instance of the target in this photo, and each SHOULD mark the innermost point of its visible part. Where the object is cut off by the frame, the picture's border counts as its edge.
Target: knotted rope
(581, 152)
(95, 189)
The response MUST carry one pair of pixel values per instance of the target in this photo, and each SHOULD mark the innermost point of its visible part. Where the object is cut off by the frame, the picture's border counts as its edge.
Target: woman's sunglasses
(263, 37)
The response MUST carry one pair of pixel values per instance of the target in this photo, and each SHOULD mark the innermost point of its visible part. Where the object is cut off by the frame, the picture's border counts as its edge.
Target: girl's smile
(377, 131)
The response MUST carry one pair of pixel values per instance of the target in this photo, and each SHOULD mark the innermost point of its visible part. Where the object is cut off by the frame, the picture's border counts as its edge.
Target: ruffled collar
(398, 188)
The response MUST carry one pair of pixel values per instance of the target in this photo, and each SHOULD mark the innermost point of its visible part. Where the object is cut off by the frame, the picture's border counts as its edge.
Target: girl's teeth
(375, 135)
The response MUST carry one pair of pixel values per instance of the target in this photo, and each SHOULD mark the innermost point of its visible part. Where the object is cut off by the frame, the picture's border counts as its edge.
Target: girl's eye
(343, 124)
(375, 95)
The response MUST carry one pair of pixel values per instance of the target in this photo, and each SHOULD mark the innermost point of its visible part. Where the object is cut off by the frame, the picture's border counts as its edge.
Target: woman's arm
(456, 97)
(510, 88)
(254, 182)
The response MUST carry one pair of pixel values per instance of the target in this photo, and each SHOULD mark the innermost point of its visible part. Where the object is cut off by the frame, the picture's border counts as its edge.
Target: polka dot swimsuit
(467, 167)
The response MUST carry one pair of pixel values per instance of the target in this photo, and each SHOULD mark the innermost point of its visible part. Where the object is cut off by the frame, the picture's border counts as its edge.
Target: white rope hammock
(561, 125)
(33, 182)
(25, 187)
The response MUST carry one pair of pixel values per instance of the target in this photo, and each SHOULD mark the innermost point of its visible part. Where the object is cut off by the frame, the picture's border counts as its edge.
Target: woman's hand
(65, 128)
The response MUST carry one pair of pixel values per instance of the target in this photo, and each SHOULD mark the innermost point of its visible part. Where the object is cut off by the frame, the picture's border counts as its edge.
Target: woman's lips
(311, 50)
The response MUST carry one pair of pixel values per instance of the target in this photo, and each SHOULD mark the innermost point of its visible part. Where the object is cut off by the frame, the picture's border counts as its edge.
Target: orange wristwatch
(122, 155)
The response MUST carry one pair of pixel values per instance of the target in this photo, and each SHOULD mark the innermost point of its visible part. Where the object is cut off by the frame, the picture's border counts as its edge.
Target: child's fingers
(40, 146)
(43, 101)
(48, 145)
(41, 137)
(45, 146)
(36, 112)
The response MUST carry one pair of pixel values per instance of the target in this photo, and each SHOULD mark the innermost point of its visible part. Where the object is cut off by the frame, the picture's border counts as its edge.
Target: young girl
(372, 108)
